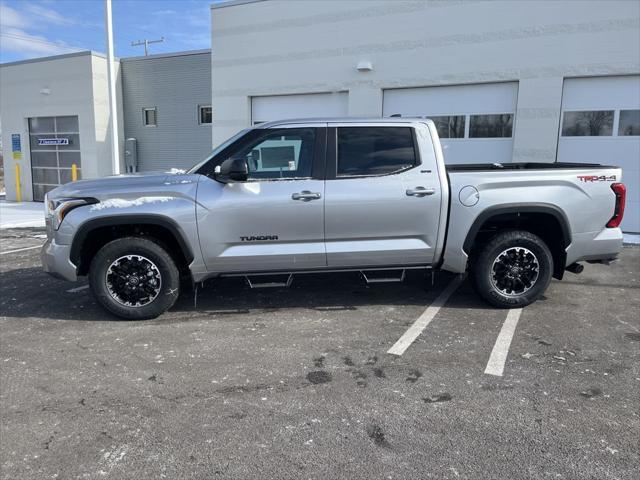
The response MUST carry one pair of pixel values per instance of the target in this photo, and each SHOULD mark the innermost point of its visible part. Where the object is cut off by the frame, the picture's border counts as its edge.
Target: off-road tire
(482, 273)
(135, 246)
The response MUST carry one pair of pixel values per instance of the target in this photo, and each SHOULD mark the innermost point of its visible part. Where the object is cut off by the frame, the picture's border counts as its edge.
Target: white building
(63, 100)
(55, 114)
(523, 81)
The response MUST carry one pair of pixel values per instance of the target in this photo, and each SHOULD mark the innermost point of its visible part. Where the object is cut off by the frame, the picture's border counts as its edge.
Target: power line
(36, 40)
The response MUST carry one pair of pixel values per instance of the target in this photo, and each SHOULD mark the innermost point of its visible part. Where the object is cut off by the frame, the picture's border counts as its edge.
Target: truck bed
(579, 194)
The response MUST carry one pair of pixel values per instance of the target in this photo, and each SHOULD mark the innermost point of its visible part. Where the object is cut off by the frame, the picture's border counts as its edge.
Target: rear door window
(367, 151)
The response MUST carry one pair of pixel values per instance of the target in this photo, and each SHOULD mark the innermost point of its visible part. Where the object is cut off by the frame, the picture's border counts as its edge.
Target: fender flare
(120, 220)
(544, 208)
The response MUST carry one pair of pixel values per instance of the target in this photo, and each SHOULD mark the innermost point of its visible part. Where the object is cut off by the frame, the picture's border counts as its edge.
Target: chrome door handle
(305, 196)
(420, 192)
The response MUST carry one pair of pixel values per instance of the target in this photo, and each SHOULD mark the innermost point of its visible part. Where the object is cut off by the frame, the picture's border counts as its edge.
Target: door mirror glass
(234, 168)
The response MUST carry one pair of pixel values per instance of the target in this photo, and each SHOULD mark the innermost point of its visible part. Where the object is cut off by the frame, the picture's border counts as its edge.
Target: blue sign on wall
(16, 146)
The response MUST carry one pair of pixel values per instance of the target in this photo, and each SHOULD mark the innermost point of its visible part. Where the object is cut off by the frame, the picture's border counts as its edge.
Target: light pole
(111, 74)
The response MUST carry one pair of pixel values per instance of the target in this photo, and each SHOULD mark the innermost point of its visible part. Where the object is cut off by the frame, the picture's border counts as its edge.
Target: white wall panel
(606, 93)
(280, 107)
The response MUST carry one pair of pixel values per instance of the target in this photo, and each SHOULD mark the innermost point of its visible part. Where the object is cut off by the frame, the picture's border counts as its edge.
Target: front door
(382, 197)
(274, 221)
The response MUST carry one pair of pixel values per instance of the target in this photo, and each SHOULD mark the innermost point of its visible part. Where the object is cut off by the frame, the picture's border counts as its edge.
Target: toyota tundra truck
(328, 195)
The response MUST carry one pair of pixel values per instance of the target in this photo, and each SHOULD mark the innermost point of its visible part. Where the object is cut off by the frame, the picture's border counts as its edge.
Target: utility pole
(111, 73)
(146, 44)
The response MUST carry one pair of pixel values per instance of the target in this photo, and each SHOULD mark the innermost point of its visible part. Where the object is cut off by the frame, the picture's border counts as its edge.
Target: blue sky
(39, 28)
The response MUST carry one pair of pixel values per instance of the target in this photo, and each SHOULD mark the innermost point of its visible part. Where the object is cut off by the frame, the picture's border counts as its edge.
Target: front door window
(279, 154)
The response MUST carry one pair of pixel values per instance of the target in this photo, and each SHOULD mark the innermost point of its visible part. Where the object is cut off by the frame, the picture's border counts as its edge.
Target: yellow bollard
(74, 172)
(18, 186)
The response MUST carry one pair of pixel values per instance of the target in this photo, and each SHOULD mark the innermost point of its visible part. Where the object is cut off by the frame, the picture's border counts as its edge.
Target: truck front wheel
(512, 270)
(134, 278)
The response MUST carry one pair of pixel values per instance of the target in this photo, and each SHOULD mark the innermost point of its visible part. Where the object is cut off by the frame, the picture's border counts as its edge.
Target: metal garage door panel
(460, 100)
(605, 94)
(279, 107)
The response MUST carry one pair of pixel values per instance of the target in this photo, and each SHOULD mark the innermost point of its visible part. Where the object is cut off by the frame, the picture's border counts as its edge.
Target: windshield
(217, 150)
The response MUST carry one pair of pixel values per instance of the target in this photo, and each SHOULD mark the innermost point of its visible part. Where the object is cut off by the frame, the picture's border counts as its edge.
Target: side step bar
(269, 284)
(376, 276)
(284, 279)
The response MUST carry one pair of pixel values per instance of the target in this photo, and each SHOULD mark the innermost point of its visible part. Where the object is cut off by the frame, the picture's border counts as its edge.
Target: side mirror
(234, 169)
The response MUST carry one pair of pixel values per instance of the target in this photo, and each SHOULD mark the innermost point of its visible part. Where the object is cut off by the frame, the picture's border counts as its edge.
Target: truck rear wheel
(512, 270)
(134, 278)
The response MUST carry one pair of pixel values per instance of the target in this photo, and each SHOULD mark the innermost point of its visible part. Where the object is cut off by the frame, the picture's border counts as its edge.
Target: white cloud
(161, 13)
(192, 40)
(10, 18)
(15, 38)
(48, 14)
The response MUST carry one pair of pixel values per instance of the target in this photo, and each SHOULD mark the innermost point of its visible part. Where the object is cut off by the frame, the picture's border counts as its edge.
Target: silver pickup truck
(322, 195)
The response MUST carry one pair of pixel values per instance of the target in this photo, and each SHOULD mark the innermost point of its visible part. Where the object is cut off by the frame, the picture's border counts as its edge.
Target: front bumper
(56, 260)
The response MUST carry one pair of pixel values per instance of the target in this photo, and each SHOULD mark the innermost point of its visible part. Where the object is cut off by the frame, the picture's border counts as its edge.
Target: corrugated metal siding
(175, 85)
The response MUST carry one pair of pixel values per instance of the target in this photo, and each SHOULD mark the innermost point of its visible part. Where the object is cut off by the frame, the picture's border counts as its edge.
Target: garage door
(54, 143)
(475, 122)
(280, 107)
(601, 124)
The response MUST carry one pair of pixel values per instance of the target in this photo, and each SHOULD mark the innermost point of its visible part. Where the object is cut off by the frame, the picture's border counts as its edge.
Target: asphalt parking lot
(297, 383)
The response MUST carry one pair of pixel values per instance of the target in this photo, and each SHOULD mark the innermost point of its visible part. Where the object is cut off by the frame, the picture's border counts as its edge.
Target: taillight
(621, 196)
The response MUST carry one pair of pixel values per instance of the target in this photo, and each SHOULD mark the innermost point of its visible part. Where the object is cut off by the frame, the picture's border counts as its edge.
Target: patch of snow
(114, 457)
(21, 214)
(632, 238)
(124, 203)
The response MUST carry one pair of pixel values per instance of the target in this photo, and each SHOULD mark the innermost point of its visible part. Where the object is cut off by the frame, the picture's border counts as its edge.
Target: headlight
(58, 208)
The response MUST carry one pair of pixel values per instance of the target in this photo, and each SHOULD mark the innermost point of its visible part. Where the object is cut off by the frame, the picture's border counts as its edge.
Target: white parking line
(425, 319)
(78, 289)
(20, 250)
(503, 342)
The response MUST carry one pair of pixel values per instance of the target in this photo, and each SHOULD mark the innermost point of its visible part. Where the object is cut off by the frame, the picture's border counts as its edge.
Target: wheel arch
(541, 219)
(95, 233)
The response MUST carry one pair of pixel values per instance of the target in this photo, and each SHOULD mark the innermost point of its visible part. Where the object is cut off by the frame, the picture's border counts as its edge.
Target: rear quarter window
(367, 151)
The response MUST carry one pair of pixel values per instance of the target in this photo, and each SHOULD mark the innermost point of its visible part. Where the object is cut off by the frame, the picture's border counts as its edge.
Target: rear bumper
(56, 261)
(600, 246)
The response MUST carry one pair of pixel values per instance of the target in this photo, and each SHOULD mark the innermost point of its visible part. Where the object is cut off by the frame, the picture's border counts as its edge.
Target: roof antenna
(396, 115)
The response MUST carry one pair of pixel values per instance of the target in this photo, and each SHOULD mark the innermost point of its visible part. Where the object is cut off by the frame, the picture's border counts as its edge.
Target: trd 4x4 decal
(597, 178)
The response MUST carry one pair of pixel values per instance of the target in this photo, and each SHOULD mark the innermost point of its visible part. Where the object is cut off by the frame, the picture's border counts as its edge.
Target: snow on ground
(21, 214)
(633, 238)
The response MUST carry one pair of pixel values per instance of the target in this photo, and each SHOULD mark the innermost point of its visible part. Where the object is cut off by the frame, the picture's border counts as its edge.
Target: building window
(205, 115)
(629, 123)
(374, 151)
(491, 126)
(149, 117)
(450, 126)
(598, 123)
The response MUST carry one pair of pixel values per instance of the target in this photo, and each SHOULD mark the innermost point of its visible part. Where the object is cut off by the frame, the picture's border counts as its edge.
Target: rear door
(382, 196)
(275, 219)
